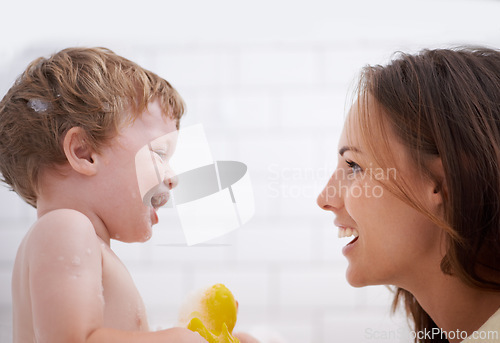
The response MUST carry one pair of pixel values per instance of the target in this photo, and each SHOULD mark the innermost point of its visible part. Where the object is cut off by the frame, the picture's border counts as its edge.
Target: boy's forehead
(168, 139)
(153, 112)
(156, 118)
(150, 125)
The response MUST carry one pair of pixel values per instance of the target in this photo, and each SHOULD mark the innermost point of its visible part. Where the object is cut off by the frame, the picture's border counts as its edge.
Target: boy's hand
(174, 335)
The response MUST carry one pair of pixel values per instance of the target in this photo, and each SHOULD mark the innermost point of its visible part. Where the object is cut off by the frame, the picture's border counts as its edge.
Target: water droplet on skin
(89, 252)
(76, 261)
(100, 295)
(138, 319)
(117, 236)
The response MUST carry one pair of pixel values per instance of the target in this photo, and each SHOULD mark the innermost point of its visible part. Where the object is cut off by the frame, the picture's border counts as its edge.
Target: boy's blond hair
(91, 88)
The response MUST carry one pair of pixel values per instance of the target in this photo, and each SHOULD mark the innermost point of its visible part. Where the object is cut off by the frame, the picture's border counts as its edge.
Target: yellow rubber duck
(212, 313)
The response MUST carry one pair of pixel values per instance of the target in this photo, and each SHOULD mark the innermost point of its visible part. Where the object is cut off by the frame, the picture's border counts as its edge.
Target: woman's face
(396, 244)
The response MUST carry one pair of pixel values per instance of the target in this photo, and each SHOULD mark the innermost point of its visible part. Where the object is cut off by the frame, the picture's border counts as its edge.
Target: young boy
(70, 131)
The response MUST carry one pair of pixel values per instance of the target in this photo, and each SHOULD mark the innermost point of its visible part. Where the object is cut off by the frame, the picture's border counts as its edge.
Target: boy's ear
(78, 152)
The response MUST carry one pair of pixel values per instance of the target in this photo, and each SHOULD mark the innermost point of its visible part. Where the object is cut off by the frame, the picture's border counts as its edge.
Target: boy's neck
(61, 191)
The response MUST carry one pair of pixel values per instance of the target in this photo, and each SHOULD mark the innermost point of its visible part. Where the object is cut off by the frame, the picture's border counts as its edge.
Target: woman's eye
(354, 166)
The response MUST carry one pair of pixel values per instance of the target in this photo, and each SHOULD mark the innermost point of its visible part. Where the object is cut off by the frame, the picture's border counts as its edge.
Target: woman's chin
(355, 279)
(358, 279)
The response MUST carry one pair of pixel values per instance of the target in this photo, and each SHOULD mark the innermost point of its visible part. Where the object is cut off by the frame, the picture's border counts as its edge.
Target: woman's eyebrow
(348, 148)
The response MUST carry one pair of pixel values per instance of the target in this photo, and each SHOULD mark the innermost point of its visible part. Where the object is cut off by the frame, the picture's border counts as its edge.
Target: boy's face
(134, 177)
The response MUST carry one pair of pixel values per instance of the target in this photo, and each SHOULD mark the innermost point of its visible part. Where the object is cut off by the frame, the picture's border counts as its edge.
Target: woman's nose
(331, 199)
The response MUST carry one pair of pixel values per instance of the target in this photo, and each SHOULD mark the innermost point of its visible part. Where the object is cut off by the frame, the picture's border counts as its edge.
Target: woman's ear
(439, 191)
(78, 152)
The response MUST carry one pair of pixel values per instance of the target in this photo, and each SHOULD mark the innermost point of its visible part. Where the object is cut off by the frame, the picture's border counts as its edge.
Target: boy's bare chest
(123, 305)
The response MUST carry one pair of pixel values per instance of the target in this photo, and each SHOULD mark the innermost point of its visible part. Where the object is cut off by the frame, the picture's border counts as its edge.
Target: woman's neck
(453, 305)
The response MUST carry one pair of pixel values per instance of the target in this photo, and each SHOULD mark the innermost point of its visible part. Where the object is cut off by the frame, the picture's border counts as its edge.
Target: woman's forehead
(367, 131)
(352, 132)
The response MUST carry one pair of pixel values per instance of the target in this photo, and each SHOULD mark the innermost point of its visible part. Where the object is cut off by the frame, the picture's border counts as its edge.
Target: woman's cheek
(361, 196)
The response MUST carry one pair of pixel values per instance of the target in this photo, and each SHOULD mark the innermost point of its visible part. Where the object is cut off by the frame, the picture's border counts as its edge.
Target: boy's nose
(330, 198)
(170, 178)
(171, 181)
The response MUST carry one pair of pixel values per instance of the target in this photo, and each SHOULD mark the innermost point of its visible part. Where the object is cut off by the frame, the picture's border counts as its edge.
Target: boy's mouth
(160, 199)
(154, 216)
(157, 201)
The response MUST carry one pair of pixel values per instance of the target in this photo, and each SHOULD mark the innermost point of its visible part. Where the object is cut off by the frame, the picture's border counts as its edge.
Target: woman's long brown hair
(446, 103)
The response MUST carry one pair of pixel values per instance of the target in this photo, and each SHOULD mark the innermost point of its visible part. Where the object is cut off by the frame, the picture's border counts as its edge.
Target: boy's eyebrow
(348, 148)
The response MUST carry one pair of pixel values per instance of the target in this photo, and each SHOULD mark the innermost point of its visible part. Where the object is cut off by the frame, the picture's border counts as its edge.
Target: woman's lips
(353, 241)
(349, 246)
(348, 232)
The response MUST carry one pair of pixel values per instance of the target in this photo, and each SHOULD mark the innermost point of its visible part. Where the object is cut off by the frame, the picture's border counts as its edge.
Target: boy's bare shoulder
(62, 230)
(63, 221)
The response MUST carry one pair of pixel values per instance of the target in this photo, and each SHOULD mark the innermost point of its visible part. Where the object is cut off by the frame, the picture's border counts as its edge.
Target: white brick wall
(271, 67)
(268, 80)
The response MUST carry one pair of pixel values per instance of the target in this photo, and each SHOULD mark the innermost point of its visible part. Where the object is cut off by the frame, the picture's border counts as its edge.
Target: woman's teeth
(347, 232)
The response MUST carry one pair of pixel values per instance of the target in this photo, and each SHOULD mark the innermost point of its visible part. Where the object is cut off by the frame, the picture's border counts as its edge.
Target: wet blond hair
(90, 88)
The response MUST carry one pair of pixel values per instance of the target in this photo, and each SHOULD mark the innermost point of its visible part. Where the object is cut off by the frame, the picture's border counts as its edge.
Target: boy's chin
(139, 237)
(145, 236)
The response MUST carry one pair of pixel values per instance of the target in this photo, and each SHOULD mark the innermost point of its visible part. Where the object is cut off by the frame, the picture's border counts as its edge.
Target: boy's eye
(354, 166)
(161, 154)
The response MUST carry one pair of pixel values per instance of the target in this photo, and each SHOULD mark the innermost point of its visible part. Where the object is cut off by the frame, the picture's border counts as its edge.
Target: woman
(418, 185)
